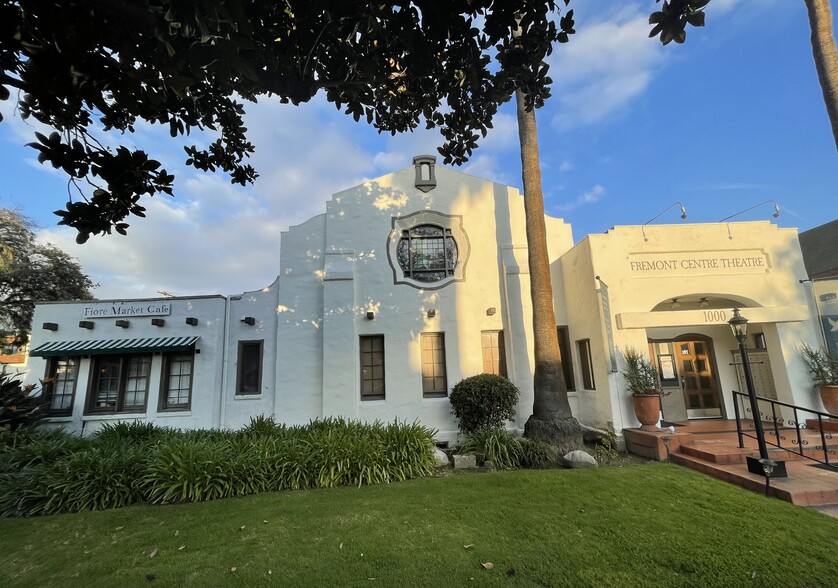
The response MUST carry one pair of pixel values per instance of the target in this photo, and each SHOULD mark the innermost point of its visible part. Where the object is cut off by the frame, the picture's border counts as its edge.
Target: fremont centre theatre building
(415, 280)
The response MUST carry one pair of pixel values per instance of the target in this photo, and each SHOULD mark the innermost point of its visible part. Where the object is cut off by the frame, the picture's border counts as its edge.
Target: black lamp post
(739, 326)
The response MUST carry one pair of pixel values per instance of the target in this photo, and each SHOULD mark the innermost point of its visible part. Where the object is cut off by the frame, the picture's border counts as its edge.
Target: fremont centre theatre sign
(126, 309)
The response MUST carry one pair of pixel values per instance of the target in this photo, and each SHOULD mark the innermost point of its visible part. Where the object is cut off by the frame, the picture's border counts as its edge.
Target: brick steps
(717, 454)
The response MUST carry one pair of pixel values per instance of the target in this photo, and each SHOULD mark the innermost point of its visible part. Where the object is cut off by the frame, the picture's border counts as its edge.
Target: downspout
(225, 356)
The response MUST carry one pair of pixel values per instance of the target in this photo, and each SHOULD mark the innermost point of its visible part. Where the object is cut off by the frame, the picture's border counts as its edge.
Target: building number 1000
(715, 316)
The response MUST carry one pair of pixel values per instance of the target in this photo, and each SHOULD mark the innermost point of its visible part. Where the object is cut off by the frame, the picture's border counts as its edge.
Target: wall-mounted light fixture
(775, 214)
(491, 311)
(50, 326)
(86, 324)
(123, 323)
(431, 312)
(703, 302)
(158, 322)
(248, 320)
(683, 215)
(370, 315)
(675, 304)
(192, 321)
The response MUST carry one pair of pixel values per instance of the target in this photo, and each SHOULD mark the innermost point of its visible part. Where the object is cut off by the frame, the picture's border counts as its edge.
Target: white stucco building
(417, 279)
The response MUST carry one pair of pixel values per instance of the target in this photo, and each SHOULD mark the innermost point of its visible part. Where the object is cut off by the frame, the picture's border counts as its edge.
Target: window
(249, 376)
(584, 348)
(175, 393)
(434, 382)
(494, 353)
(372, 367)
(60, 384)
(428, 249)
(427, 253)
(567, 360)
(119, 383)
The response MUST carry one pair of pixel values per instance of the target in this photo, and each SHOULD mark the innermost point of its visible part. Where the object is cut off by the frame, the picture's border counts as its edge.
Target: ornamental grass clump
(129, 463)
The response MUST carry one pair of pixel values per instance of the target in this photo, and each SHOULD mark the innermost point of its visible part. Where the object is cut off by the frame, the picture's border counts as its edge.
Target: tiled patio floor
(711, 446)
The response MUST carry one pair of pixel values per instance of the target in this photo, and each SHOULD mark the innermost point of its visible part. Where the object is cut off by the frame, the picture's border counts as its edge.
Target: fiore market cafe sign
(696, 263)
(126, 309)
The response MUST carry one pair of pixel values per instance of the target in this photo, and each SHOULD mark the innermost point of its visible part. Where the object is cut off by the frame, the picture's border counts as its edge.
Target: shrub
(537, 454)
(502, 448)
(136, 431)
(484, 401)
(20, 406)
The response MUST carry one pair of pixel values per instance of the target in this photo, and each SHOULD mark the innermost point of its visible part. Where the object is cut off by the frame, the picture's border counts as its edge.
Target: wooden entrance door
(701, 393)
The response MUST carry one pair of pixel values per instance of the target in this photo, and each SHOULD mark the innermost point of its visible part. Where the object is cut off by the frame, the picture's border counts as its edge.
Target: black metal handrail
(781, 426)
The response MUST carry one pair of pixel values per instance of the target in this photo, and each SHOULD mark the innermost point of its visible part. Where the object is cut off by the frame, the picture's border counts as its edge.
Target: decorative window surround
(453, 223)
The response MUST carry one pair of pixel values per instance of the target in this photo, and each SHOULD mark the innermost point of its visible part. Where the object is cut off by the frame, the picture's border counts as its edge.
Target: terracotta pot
(647, 410)
(829, 397)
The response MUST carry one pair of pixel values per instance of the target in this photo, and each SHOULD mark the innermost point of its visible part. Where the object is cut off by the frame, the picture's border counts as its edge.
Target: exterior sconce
(122, 323)
(673, 205)
(370, 315)
(248, 320)
(675, 304)
(491, 311)
(50, 326)
(703, 303)
(158, 322)
(86, 324)
(431, 312)
(192, 321)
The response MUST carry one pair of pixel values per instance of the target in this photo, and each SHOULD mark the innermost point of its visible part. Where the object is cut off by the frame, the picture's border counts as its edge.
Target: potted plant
(643, 381)
(823, 366)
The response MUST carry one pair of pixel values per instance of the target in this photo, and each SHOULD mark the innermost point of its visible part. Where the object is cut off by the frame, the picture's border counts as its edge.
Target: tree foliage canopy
(88, 67)
(31, 272)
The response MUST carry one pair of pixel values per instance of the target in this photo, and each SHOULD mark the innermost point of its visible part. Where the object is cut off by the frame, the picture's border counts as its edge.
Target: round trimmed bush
(484, 401)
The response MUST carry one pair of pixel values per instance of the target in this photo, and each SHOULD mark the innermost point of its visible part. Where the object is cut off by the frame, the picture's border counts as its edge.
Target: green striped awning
(113, 346)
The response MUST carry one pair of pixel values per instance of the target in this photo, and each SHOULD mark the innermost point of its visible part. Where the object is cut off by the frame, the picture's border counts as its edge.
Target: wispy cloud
(591, 196)
(603, 68)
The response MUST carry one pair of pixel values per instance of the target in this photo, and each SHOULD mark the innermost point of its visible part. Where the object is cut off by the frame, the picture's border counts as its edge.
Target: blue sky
(732, 118)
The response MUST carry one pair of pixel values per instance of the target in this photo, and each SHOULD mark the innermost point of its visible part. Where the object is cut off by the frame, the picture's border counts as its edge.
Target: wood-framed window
(60, 384)
(583, 346)
(434, 379)
(119, 383)
(249, 372)
(176, 388)
(494, 352)
(567, 360)
(372, 367)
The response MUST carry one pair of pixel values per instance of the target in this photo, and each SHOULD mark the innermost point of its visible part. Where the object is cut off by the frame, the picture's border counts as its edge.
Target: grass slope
(650, 525)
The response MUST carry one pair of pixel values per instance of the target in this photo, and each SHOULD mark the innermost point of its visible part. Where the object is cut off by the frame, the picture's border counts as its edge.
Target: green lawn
(645, 525)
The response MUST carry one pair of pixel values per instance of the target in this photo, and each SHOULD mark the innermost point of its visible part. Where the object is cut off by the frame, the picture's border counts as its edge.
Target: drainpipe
(225, 357)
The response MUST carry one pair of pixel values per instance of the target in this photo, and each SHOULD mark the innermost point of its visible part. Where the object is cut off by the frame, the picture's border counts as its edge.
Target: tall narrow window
(372, 367)
(119, 383)
(249, 380)
(434, 380)
(60, 384)
(567, 360)
(175, 394)
(584, 348)
(494, 353)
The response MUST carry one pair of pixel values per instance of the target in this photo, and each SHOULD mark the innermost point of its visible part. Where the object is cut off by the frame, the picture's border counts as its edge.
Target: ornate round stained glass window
(427, 253)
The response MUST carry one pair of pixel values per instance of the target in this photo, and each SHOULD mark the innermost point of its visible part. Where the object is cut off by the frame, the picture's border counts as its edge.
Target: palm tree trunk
(826, 57)
(552, 419)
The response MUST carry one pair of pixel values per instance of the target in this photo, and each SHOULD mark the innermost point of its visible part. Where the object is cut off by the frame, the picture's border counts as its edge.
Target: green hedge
(128, 463)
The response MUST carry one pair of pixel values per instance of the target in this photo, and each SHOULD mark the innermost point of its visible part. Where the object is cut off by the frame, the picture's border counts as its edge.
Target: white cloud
(603, 68)
(565, 166)
(590, 197)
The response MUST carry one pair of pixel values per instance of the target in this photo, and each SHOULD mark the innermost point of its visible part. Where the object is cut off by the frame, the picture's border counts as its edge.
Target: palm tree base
(563, 433)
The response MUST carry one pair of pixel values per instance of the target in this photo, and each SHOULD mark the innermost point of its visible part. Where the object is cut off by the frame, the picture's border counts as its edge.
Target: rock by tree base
(563, 433)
